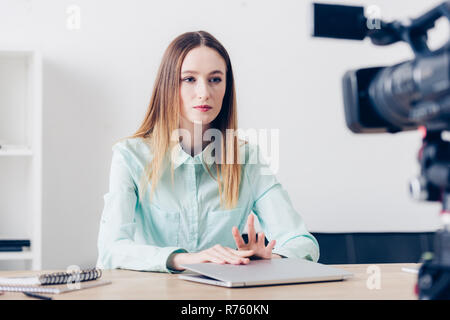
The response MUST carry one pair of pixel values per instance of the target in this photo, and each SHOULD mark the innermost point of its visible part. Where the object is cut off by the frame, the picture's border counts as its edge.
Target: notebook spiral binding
(29, 289)
(70, 277)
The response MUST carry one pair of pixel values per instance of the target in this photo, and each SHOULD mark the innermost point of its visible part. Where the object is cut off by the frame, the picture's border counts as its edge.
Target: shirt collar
(179, 156)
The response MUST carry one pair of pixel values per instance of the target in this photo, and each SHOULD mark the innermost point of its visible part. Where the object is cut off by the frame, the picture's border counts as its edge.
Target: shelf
(15, 151)
(21, 154)
(20, 255)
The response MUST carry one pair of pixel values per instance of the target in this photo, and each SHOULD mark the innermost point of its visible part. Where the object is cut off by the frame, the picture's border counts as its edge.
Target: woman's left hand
(258, 246)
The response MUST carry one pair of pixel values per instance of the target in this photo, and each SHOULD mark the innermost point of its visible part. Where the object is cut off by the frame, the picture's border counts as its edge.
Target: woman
(171, 201)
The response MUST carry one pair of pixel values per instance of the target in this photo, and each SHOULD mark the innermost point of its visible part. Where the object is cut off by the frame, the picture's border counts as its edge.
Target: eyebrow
(195, 72)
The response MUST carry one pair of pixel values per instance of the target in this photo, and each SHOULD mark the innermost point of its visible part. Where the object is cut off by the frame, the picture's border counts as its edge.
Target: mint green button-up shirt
(186, 216)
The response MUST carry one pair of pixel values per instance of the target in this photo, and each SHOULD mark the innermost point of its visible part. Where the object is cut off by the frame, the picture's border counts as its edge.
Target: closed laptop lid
(270, 271)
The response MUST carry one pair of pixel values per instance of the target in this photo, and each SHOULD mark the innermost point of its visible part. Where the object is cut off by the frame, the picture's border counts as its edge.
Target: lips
(203, 108)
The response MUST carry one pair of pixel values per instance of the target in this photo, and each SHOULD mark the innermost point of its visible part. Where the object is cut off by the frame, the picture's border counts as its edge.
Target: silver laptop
(263, 272)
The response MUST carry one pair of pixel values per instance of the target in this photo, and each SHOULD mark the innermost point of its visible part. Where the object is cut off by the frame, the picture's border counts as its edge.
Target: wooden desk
(394, 284)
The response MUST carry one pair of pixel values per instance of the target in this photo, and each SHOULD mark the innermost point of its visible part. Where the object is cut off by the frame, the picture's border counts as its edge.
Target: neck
(193, 144)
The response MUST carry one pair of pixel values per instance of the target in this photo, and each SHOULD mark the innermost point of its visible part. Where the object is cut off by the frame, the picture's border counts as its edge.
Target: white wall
(98, 80)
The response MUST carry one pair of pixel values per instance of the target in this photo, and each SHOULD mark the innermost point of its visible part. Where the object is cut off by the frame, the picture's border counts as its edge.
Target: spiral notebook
(36, 283)
(53, 278)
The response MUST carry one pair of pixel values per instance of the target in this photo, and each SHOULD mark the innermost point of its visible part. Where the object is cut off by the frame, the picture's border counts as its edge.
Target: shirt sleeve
(276, 214)
(116, 245)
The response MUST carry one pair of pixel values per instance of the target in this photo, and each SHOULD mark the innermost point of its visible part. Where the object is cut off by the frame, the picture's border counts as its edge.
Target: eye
(189, 79)
(216, 80)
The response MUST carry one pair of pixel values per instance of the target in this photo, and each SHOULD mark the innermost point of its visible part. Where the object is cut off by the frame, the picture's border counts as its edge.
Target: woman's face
(203, 83)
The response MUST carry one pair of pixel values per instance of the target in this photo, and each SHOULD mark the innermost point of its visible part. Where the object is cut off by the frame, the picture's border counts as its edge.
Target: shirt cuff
(172, 251)
(287, 253)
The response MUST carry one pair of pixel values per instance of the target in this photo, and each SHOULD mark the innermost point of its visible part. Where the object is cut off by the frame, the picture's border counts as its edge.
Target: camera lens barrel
(408, 94)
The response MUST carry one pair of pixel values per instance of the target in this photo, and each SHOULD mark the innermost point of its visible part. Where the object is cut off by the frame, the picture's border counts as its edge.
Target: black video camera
(403, 97)
(396, 98)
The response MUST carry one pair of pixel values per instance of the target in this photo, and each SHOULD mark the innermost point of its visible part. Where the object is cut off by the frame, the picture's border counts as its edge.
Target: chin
(203, 120)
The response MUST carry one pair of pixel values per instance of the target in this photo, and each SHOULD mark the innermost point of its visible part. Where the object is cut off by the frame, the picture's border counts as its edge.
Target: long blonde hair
(163, 114)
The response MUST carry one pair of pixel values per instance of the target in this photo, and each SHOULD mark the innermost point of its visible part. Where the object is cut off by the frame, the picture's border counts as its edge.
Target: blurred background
(99, 61)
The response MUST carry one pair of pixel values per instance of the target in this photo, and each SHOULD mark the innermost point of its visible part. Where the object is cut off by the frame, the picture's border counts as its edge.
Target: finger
(214, 257)
(232, 256)
(237, 237)
(224, 254)
(251, 229)
(229, 256)
(261, 238)
(241, 253)
(271, 245)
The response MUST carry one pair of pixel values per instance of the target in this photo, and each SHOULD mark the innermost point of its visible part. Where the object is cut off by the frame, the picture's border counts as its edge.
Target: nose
(202, 90)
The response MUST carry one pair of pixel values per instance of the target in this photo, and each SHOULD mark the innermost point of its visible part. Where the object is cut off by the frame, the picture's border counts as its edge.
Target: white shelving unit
(21, 153)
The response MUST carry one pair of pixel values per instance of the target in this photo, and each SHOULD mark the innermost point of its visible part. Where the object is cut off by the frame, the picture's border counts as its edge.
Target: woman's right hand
(217, 254)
